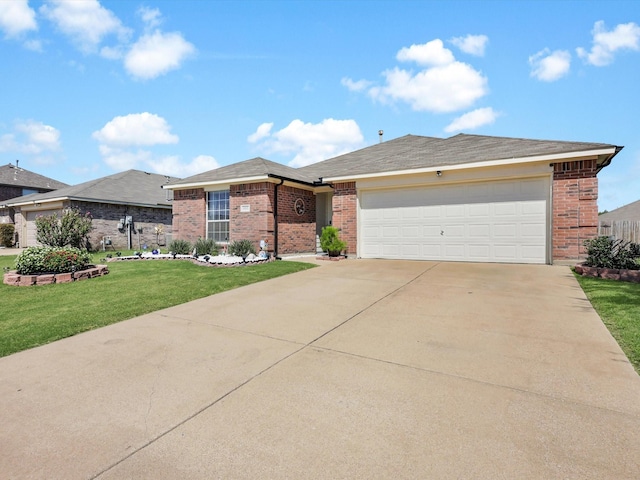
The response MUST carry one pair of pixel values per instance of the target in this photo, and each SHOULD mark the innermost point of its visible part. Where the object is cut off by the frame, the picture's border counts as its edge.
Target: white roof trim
(230, 181)
(492, 163)
(33, 202)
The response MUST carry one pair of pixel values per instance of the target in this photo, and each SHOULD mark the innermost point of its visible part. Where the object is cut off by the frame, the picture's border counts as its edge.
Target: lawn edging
(15, 279)
(621, 274)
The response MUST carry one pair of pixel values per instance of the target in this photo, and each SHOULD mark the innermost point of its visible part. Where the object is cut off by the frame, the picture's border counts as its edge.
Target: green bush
(241, 248)
(605, 252)
(330, 241)
(7, 231)
(206, 246)
(180, 247)
(69, 229)
(45, 259)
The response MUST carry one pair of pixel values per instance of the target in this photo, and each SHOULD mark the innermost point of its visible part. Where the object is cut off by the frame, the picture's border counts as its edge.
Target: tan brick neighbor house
(126, 207)
(463, 198)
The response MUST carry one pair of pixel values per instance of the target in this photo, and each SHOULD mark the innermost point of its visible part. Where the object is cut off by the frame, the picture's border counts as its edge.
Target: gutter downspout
(275, 218)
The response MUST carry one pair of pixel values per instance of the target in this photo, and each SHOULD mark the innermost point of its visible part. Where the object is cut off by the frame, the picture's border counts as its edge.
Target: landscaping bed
(622, 274)
(16, 279)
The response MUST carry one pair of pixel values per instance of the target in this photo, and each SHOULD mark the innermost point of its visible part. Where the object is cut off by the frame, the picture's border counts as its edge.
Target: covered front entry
(493, 221)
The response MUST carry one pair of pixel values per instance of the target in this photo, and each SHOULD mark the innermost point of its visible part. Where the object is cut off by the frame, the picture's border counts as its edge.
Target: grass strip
(32, 316)
(618, 304)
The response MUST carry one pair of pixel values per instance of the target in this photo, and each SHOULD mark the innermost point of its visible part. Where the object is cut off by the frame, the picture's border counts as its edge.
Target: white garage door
(501, 221)
(31, 226)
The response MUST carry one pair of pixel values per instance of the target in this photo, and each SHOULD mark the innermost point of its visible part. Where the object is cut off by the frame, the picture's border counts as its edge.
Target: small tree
(70, 229)
(330, 241)
(7, 231)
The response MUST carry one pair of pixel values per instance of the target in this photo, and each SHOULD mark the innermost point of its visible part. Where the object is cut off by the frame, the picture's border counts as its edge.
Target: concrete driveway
(355, 369)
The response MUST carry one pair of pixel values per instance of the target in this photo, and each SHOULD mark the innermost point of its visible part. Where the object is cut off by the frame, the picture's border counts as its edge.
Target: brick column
(575, 208)
(345, 216)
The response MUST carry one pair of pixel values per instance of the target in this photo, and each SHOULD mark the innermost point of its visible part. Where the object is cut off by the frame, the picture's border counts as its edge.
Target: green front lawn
(618, 304)
(32, 316)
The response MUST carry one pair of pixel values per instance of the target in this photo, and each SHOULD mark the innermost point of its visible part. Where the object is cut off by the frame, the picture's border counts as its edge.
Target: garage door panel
(480, 230)
(504, 221)
(505, 230)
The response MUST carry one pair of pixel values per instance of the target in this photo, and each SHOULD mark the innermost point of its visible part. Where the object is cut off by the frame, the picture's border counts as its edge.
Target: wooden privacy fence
(628, 230)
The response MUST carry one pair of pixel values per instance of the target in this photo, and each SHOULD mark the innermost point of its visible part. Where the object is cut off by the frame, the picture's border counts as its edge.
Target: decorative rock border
(14, 278)
(610, 273)
(330, 258)
(203, 260)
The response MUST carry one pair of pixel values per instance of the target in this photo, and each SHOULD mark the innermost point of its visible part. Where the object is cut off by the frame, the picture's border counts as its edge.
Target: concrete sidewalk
(356, 369)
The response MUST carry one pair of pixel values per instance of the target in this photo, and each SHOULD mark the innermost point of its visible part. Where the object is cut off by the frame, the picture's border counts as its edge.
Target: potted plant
(330, 241)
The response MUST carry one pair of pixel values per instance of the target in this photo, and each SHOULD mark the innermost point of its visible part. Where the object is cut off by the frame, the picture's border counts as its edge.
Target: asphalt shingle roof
(19, 177)
(249, 168)
(132, 187)
(413, 152)
(404, 153)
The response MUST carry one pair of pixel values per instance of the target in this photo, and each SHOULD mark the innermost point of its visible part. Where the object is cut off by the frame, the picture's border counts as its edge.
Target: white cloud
(85, 22)
(472, 120)
(263, 131)
(550, 66)
(624, 36)
(445, 85)
(312, 143)
(136, 129)
(31, 138)
(33, 45)
(355, 86)
(445, 88)
(471, 44)
(431, 53)
(16, 18)
(150, 16)
(120, 159)
(156, 54)
(173, 166)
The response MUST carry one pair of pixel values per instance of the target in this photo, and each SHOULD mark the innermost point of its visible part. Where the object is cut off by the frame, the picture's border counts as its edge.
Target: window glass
(218, 215)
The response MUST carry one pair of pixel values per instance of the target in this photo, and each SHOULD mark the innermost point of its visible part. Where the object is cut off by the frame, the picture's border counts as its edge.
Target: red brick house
(129, 210)
(464, 198)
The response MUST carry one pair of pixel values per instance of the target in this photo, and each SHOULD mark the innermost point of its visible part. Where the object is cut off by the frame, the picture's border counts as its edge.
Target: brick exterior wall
(296, 233)
(106, 217)
(257, 223)
(575, 208)
(189, 214)
(345, 214)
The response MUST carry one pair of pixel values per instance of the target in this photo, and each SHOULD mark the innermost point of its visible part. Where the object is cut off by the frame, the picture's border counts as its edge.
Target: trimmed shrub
(241, 248)
(7, 231)
(69, 229)
(180, 247)
(206, 246)
(605, 252)
(330, 241)
(36, 260)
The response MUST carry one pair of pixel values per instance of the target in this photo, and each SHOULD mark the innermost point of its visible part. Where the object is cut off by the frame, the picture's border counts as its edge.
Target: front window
(218, 216)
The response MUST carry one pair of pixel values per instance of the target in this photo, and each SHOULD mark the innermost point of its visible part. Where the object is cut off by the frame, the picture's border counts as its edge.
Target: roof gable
(255, 167)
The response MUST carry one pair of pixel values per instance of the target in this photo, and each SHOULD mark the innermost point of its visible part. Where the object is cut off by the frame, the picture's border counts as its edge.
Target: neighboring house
(629, 212)
(129, 209)
(464, 198)
(16, 182)
(622, 223)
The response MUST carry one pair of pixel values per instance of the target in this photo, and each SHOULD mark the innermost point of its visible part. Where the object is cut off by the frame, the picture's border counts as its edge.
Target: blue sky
(90, 88)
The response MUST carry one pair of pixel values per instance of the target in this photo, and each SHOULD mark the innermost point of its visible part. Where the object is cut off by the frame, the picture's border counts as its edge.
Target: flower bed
(16, 279)
(208, 260)
(621, 274)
